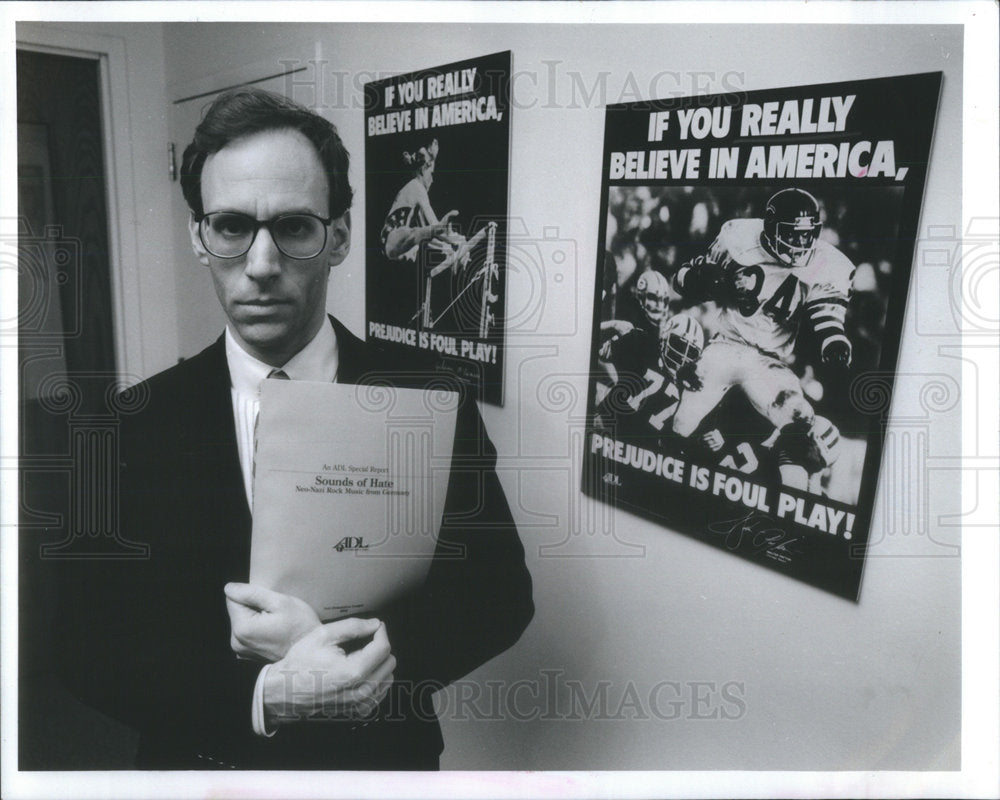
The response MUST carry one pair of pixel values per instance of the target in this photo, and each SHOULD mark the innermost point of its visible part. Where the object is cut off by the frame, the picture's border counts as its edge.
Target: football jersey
(645, 397)
(766, 299)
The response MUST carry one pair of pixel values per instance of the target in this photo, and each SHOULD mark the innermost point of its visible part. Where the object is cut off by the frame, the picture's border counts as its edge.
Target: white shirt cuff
(257, 710)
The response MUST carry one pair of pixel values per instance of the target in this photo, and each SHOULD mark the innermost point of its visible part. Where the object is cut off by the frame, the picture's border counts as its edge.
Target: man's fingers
(381, 637)
(366, 696)
(370, 657)
(239, 613)
(239, 647)
(374, 685)
(381, 678)
(256, 597)
(347, 630)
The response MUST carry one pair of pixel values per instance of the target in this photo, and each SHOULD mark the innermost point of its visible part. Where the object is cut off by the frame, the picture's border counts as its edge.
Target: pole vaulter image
(414, 233)
(437, 171)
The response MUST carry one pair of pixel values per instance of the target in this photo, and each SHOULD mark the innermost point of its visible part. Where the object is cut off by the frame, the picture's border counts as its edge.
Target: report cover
(349, 489)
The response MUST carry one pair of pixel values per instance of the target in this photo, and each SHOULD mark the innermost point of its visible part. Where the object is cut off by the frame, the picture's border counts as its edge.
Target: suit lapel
(218, 456)
(352, 355)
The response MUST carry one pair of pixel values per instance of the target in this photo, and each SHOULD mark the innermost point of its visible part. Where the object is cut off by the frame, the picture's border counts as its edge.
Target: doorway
(66, 365)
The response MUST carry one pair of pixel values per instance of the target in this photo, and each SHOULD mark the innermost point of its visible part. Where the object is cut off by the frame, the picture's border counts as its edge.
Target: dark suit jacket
(147, 642)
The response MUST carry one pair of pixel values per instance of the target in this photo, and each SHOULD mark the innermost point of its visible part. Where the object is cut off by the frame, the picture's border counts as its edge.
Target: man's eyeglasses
(228, 234)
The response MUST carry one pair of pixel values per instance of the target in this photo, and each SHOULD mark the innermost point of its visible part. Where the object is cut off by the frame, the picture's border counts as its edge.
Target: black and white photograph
(436, 168)
(499, 400)
(741, 320)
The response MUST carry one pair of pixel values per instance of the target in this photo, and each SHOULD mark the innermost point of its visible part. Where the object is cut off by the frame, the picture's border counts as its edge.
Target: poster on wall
(755, 255)
(437, 148)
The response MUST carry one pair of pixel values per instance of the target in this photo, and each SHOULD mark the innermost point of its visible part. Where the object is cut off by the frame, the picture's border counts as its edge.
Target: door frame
(116, 134)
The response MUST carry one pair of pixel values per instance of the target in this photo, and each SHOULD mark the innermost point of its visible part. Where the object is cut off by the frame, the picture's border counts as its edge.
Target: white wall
(823, 683)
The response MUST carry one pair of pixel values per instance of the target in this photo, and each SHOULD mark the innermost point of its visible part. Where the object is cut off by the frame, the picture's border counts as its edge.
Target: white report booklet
(349, 490)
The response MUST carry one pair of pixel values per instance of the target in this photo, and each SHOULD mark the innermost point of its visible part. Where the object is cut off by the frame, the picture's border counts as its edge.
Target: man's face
(275, 304)
(655, 305)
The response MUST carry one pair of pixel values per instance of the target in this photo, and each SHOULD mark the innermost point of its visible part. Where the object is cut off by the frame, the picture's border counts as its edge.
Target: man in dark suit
(213, 672)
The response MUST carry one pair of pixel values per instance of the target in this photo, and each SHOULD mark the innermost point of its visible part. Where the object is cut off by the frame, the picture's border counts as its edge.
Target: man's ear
(196, 245)
(340, 239)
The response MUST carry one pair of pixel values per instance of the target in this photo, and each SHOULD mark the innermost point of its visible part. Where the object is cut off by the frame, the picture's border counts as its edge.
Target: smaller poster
(755, 254)
(437, 149)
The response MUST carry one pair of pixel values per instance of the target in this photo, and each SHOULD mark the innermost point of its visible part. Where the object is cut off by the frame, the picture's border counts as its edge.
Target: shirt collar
(317, 361)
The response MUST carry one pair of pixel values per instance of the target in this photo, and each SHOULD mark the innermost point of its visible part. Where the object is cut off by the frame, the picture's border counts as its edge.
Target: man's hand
(324, 676)
(266, 624)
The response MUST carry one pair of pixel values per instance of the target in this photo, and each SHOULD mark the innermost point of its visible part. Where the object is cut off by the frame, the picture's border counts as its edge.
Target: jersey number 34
(748, 284)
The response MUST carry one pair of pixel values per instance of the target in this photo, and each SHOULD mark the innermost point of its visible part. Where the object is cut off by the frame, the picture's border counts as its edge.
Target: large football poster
(437, 148)
(755, 254)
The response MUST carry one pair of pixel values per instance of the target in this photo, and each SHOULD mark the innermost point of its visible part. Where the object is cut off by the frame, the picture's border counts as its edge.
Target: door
(67, 363)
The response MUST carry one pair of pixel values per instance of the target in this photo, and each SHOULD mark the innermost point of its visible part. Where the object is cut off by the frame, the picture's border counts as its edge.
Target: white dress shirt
(317, 361)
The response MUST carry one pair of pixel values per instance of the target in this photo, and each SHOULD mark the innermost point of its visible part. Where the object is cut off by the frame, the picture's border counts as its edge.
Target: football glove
(703, 279)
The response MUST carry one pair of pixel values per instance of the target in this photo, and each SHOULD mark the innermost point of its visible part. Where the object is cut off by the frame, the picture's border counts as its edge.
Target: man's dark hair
(245, 111)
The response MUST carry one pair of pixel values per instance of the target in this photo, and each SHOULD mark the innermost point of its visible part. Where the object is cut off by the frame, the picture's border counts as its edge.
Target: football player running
(767, 276)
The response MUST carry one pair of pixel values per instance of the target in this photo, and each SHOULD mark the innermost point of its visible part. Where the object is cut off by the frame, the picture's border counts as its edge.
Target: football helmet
(652, 290)
(681, 342)
(791, 226)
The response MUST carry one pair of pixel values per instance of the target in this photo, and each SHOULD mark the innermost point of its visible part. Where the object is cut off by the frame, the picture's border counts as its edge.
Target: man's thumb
(247, 594)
